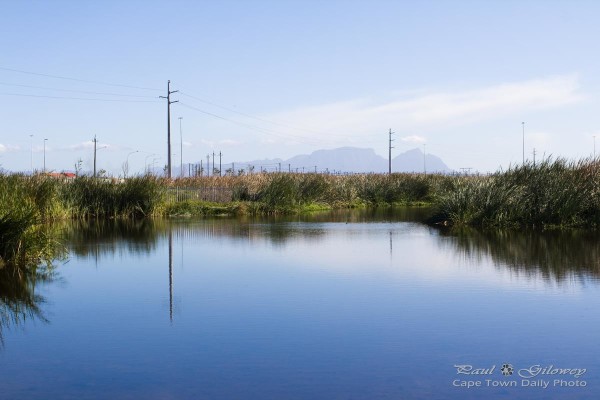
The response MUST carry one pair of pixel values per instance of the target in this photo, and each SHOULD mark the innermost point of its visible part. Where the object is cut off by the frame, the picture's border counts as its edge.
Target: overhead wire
(77, 79)
(75, 91)
(285, 125)
(78, 98)
(253, 127)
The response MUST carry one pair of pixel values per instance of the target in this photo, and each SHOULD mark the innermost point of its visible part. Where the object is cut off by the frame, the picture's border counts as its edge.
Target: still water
(347, 305)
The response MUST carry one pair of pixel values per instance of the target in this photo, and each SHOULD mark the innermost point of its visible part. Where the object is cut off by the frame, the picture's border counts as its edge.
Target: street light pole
(31, 153)
(523, 124)
(424, 160)
(146, 162)
(45, 140)
(181, 148)
(127, 162)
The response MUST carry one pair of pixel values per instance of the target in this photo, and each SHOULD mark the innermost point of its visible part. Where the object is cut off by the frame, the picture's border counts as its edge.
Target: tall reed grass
(551, 193)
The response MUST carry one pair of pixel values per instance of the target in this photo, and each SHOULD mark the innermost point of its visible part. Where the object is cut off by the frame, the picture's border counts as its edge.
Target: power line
(281, 124)
(75, 91)
(77, 79)
(76, 98)
(263, 130)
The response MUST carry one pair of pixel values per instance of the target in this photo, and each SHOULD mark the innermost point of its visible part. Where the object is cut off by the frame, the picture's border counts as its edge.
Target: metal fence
(215, 194)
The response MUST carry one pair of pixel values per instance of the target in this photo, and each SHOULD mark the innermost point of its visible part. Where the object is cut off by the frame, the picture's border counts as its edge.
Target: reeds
(551, 193)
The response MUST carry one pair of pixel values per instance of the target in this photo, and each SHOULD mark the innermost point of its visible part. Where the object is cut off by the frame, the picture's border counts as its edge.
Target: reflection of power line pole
(170, 275)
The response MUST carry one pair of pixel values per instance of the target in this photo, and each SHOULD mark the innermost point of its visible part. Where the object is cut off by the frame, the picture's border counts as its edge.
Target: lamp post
(146, 161)
(523, 124)
(181, 148)
(31, 153)
(127, 162)
(45, 140)
(154, 161)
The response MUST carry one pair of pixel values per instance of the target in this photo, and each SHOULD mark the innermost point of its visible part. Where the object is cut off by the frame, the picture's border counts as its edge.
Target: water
(347, 305)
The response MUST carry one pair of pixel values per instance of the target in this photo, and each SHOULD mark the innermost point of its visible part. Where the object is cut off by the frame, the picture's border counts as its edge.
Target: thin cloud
(413, 139)
(7, 148)
(361, 118)
(89, 145)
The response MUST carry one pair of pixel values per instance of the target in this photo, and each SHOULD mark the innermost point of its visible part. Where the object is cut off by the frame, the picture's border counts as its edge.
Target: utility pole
(213, 169)
(207, 164)
(169, 102)
(315, 169)
(534, 156)
(523, 124)
(201, 169)
(289, 168)
(95, 143)
(220, 168)
(181, 149)
(390, 153)
(279, 167)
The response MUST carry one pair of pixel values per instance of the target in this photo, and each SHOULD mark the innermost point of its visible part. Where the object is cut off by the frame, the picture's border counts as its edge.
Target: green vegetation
(552, 193)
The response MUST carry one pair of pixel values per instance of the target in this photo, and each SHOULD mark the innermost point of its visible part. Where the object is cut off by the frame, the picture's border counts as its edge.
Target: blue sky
(266, 79)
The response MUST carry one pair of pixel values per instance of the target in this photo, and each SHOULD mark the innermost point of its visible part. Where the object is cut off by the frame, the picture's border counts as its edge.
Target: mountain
(344, 159)
(352, 159)
(412, 161)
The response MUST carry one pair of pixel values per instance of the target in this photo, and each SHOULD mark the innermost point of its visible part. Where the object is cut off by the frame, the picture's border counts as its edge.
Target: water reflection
(549, 255)
(18, 299)
(554, 255)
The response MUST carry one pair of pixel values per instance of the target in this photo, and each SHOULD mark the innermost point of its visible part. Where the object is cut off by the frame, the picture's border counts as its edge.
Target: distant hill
(344, 159)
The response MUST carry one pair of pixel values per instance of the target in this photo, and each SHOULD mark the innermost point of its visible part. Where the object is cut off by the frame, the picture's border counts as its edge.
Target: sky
(273, 79)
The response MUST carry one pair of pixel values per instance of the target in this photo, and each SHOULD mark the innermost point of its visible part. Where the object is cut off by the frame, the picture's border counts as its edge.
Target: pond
(344, 305)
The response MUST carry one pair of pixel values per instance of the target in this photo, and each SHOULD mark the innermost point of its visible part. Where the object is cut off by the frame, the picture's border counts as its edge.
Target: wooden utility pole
(169, 102)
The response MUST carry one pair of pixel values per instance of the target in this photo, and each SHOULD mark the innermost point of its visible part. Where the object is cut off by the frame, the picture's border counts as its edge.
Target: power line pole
(207, 164)
(95, 143)
(534, 156)
(169, 102)
(213, 169)
(390, 153)
(220, 168)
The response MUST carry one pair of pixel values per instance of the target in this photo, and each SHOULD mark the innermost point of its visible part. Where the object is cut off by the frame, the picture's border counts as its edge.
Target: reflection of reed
(96, 238)
(93, 238)
(553, 255)
(18, 300)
